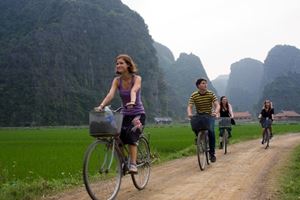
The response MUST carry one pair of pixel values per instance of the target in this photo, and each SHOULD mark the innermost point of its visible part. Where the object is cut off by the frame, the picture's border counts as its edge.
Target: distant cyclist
(129, 86)
(225, 111)
(204, 101)
(266, 112)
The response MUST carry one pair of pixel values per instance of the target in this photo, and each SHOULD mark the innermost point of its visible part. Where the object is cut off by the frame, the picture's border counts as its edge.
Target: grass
(40, 160)
(167, 142)
(290, 181)
(51, 153)
(37, 161)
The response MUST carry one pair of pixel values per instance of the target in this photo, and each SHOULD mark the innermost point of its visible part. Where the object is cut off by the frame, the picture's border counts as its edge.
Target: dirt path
(244, 173)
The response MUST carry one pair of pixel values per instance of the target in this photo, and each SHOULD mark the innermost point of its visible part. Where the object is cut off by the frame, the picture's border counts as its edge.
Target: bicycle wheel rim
(207, 147)
(201, 151)
(143, 162)
(264, 137)
(267, 138)
(225, 141)
(102, 171)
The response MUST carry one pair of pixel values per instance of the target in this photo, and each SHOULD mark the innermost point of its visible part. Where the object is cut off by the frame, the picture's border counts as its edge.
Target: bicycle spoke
(201, 150)
(102, 171)
(225, 141)
(141, 179)
(207, 148)
(267, 140)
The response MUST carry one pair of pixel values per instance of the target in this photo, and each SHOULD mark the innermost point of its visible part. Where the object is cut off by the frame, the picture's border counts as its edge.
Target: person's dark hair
(226, 105)
(200, 80)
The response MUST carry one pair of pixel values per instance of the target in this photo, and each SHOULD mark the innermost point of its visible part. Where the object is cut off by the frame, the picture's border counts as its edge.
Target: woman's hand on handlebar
(99, 108)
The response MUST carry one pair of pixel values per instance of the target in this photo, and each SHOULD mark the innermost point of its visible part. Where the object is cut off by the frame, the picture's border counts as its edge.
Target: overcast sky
(221, 32)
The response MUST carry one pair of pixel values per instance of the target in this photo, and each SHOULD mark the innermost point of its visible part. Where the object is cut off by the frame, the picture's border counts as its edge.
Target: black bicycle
(107, 160)
(224, 125)
(266, 124)
(201, 121)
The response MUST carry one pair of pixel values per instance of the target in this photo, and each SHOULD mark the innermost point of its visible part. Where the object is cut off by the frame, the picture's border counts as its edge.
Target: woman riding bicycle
(225, 111)
(266, 112)
(129, 86)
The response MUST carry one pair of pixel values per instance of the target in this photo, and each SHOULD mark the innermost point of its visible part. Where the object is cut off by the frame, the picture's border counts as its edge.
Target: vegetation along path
(248, 171)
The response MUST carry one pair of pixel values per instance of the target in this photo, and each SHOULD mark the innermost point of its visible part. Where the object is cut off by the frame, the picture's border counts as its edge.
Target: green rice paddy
(56, 154)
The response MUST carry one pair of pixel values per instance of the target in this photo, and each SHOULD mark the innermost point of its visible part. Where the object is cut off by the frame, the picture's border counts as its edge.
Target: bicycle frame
(224, 125)
(203, 149)
(111, 157)
(200, 124)
(225, 140)
(266, 137)
(123, 153)
(107, 160)
(267, 132)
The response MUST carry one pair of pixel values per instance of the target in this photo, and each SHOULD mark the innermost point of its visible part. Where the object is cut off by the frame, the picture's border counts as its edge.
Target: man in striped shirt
(205, 102)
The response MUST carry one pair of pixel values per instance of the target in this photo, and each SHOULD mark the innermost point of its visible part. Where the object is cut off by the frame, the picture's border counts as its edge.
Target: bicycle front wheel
(143, 162)
(207, 149)
(267, 137)
(201, 150)
(102, 170)
(225, 141)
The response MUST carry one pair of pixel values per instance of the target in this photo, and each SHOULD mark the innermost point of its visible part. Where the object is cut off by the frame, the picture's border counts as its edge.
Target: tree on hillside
(284, 92)
(57, 59)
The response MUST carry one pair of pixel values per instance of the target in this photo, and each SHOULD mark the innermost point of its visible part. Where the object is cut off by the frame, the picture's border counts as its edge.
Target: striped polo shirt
(203, 102)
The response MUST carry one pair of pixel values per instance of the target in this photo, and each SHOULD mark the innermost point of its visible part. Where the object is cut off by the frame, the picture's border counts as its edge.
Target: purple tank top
(125, 96)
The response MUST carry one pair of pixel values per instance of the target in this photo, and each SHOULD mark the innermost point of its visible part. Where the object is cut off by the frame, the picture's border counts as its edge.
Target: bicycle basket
(266, 123)
(200, 122)
(102, 125)
(225, 122)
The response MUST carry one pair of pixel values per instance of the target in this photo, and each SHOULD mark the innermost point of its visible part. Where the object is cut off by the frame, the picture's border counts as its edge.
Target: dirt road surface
(248, 171)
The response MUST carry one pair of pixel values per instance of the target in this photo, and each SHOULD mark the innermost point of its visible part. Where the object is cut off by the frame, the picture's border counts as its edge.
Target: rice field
(57, 153)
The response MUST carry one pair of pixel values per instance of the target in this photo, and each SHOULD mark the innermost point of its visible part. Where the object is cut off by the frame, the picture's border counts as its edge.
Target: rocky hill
(244, 83)
(220, 83)
(57, 59)
(281, 77)
(180, 77)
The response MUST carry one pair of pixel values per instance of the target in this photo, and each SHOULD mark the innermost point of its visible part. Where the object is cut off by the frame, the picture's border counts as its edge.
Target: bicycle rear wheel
(201, 149)
(143, 162)
(225, 140)
(102, 170)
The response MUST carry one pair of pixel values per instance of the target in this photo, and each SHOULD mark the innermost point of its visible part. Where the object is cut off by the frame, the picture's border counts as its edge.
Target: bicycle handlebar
(113, 110)
(118, 109)
(103, 110)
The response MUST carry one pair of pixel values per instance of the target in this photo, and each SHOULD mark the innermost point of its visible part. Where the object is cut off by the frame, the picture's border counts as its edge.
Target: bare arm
(259, 116)
(189, 111)
(216, 108)
(136, 86)
(230, 111)
(110, 95)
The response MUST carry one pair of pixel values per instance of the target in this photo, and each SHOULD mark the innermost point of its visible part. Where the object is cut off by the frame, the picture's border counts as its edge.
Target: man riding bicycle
(204, 101)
